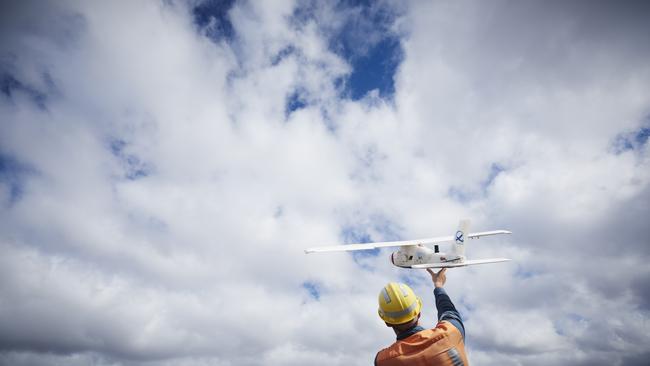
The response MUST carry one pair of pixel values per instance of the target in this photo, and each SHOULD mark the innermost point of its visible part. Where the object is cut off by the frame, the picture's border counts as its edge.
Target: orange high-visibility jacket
(442, 345)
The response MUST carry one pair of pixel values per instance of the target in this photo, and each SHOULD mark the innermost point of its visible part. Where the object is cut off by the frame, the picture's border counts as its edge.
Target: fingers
(441, 271)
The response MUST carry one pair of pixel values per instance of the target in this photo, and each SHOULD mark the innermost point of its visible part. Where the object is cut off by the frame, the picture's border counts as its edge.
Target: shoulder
(385, 354)
(394, 350)
(449, 327)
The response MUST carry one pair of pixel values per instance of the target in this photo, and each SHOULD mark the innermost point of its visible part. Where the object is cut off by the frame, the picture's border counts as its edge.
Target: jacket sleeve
(447, 311)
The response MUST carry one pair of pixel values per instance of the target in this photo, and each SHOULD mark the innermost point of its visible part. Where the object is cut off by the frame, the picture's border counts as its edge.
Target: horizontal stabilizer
(427, 241)
(459, 264)
(488, 233)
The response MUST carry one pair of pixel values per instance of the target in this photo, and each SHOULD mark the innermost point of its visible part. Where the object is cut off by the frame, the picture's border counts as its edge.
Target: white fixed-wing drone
(414, 253)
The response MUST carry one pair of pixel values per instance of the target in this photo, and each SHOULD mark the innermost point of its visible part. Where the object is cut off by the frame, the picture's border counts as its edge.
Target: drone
(417, 255)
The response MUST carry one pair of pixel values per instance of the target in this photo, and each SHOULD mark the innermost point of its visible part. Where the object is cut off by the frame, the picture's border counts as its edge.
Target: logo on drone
(459, 237)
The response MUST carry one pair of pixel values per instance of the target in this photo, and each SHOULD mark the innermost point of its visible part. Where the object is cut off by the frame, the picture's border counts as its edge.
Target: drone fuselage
(407, 256)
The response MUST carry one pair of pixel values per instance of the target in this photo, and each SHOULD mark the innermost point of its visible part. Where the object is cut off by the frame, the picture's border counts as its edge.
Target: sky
(163, 165)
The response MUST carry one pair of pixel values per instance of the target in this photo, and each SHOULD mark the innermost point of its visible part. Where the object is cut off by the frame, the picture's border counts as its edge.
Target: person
(399, 308)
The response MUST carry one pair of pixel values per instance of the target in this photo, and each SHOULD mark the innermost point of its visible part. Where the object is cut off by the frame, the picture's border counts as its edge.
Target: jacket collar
(409, 332)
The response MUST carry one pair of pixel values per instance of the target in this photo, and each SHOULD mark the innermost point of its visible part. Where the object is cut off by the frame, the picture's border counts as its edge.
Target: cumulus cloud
(164, 164)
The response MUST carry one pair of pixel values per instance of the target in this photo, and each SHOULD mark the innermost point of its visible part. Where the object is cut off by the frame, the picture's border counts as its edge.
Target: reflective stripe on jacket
(442, 345)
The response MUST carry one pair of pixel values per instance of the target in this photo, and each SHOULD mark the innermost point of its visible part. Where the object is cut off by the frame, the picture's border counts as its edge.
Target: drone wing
(370, 246)
(459, 264)
(427, 241)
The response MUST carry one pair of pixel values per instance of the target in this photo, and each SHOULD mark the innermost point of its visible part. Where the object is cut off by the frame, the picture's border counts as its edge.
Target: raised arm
(446, 309)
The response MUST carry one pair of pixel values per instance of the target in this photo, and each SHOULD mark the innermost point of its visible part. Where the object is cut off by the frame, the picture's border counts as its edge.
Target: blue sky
(366, 41)
(12, 176)
(164, 164)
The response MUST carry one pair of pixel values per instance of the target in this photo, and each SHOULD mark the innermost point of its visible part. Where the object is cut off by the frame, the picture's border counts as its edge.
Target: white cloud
(198, 260)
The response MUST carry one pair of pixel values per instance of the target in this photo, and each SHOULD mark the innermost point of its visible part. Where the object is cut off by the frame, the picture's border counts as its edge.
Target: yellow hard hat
(398, 303)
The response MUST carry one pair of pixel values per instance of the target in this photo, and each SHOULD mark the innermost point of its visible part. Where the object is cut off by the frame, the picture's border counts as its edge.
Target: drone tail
(460, 237)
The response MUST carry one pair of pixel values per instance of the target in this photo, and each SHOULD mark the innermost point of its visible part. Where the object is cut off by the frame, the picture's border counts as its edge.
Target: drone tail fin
(460, 237)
